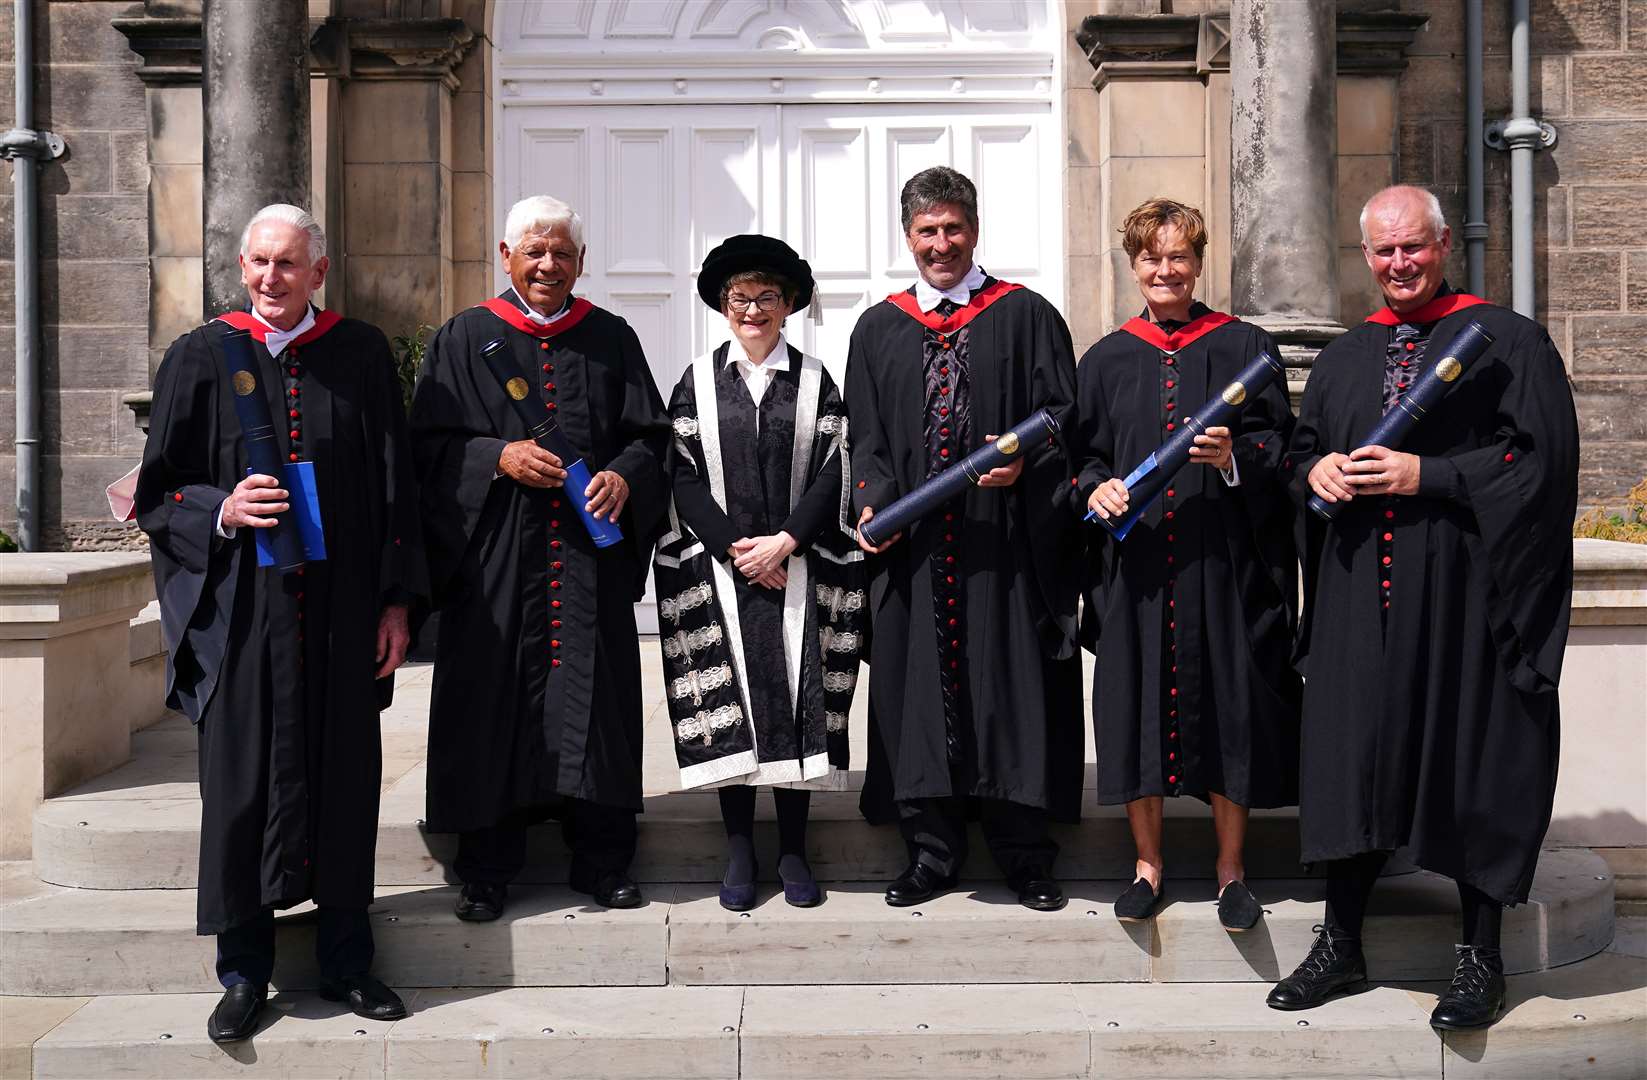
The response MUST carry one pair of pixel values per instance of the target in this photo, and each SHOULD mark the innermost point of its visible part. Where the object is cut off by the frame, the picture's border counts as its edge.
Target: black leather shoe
(1238, 909)
(235, 1017)
(481, 901)
(1476, 997)
(367, 997)
(613, 890)
(1139, 901)
(1039, 891)
(917, 885)
(1334, 966)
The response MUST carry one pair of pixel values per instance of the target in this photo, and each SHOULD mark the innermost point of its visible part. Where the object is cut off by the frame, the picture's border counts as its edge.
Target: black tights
(1350, 882)
(738, 812)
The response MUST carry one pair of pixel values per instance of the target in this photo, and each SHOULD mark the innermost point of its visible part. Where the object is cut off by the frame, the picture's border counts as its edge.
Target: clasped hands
(761, 559)
(1213, 447)
(525, 462)
(1369, 470)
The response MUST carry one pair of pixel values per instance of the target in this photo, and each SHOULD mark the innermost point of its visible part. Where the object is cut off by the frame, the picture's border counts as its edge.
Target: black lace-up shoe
(1476, 997)
(1334, 966)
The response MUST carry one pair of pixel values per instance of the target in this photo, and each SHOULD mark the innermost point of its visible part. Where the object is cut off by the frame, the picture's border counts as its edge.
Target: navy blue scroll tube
(251, 407)
(1150, 478)
(543, 430)
(1392, 430)
(932, 495)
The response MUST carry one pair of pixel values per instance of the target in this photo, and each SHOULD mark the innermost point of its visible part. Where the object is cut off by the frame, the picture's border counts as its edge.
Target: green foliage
(409, 349)
(7, 544)
(1630, 526)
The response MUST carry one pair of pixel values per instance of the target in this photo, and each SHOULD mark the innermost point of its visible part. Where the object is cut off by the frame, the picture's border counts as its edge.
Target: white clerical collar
(532, 312)
(277, 339)
(929, 296)
(778, 357)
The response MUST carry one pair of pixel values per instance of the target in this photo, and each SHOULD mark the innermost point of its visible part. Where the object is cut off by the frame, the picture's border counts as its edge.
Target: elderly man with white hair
(536, 707)
(283, 673)
(1436, 603)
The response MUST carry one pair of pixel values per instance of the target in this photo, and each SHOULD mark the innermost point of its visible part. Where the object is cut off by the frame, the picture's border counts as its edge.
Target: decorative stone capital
(170, 47)
(417, 49)
(1376, 42)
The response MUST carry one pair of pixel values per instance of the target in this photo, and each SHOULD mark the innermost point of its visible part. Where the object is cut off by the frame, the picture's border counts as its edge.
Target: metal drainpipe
(24, 147)
(1475, 211)
(1523, 136)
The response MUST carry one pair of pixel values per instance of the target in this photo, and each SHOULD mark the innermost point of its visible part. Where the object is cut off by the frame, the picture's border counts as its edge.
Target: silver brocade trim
(831, 425)
(695, 596)
(839, 599)
(841, 641)
(695, 684)
(685, 643)
(686, 427)
(837, 682)
(703, 724)
(834, 721)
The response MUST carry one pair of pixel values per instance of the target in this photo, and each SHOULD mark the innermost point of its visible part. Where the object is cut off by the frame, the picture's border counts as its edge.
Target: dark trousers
(602, 839)
(935, 831)
(1350, 884)
(343, 947)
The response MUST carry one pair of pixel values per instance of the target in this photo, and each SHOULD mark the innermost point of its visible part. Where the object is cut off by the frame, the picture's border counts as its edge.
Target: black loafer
(1334, 966)
(481, 901)
(1139, 901)
(613, 890)
(917, 885)
(1039, 891)
(235, 1017)
(1476, 997)
(1238, 909)
(367, 997)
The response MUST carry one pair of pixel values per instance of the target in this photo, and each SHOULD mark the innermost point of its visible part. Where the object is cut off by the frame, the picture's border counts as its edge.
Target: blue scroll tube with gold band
(251, 407)
(543, 430)
(932, 495)
(1392, 430)
(1150, 478)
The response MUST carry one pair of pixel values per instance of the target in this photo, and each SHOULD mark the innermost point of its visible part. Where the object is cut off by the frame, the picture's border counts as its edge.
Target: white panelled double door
(661, 185)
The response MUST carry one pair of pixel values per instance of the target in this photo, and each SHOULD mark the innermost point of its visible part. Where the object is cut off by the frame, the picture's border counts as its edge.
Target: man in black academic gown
(277, 669)
(974, 688)
(536, 707)
(1436, 610)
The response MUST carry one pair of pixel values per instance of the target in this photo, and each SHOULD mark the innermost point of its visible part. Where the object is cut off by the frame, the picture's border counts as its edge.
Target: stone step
(79, 942)
(1589, 1019)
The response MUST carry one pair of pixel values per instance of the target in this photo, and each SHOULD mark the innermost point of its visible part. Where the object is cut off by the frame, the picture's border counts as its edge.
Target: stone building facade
(416, 128)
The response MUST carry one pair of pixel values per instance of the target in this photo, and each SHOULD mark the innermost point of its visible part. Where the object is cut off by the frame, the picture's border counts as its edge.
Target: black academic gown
(1191, 617)
(278, 670)
(1433, 724)
(537, 690)
(1016, 663)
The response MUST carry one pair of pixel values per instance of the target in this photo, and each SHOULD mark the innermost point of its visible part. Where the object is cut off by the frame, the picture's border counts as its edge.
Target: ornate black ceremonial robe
(987, 701)
(759, 680)
(537, 691)
(1191, 617)
(277, 670)
(1435, 624)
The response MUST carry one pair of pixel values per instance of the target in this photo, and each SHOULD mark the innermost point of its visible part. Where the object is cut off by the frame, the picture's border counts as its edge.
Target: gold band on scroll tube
(1008, 443)
(1235, 393)
(244, 383)
(1448, 369)
(517, 388)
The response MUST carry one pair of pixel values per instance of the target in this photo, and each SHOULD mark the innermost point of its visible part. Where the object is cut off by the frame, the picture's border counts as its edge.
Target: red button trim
(555, 662)
(1385, 583)
(1171, 492)
(1411, 346)
(943, 452)
(177, 496)
(554, 584)
(554, 545)
(943, 389)
(943, 410)
(861, 483)
(543, 345)
(1169, 384)
(1170, 406)
(554, 603)
(1172, 779)
(1388, 514)
(555, 565)
(292, 457)
(1509, 457)
(547, 369)
(554, 624)
(554, 643)
(295, 434)
(554, 504)
(293, 414)
(1386, 560)
(1169, 425)
(1167, 360)
(551, 406)
(1389, 536)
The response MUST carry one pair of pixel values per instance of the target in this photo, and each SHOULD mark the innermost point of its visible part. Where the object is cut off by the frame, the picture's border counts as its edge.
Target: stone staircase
(103, 976)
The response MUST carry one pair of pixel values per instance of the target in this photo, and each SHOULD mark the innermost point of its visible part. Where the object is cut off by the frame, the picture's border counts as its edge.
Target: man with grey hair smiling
(536, 706)
(277, 669)
(1435, 611)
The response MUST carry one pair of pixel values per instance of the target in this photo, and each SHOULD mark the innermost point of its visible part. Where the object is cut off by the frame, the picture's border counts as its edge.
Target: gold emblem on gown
(244, 383)
(1449, 368)
(517, 388)
(1235, 393)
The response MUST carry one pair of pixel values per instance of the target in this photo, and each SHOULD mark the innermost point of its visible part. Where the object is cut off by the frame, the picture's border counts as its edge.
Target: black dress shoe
(481, 901)
(1334, 966)
(1238, 909)
(1139, 901)
(235, 1017)
(1476, 997)
(367, 997)
(612, 890)
(1039, 891)
(917, 885)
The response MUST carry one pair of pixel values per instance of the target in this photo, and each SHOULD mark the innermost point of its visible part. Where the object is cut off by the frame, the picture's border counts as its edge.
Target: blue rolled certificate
(1392, 429)
(251, 407)
(940, 489)
(298, 477)
(1150, 478)
(543, 430)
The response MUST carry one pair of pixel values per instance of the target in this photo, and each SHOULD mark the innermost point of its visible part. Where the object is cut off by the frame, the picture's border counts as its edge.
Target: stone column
(256, 100)
(1284, 167)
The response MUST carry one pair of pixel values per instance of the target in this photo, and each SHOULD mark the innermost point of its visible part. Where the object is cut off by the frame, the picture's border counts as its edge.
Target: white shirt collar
(778, 357)
(929, 297)
(277, 339)
(532, 312)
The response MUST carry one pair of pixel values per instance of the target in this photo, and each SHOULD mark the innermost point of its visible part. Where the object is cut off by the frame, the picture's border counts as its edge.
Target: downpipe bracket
(40, 145)
(1520, 133)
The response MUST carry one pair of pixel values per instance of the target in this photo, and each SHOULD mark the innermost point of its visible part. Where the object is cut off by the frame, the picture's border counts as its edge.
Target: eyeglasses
(765, 302)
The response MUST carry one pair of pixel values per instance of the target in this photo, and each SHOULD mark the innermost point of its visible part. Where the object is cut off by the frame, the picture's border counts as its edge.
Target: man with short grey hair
(277, 669)
(536, 708)
(1436, 603)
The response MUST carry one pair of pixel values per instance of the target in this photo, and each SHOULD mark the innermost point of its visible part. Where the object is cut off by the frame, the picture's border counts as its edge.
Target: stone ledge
(1609, 583)
(51, 594)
